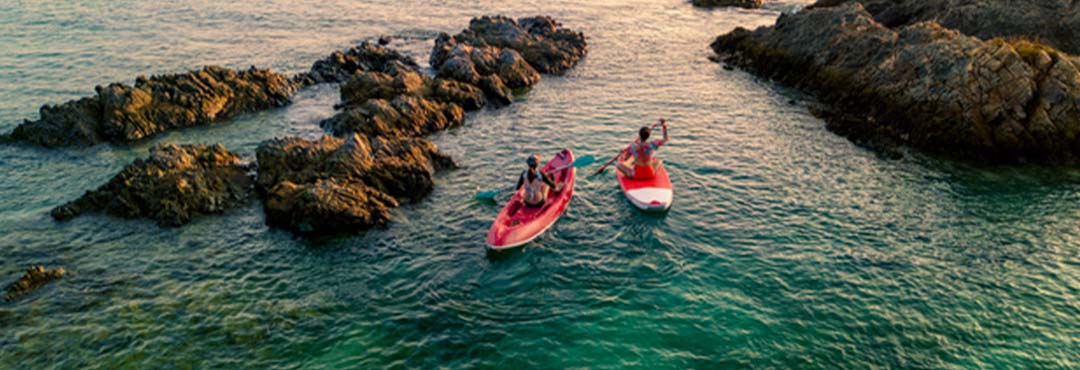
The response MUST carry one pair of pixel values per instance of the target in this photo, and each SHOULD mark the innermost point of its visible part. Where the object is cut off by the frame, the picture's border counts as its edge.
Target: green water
(788, 246)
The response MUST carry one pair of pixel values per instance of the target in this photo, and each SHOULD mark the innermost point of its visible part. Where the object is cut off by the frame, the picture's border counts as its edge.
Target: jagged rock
(1050, 22)
(922, 84)
(540, 41)
(719, 3)
(343, 65)
(334, 185)
(496, 92)
(34, 278)
(121, 114)
(171, 186)
(404, 116)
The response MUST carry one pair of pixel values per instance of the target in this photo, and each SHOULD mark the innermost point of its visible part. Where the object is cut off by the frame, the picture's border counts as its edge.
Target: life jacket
(534, 189)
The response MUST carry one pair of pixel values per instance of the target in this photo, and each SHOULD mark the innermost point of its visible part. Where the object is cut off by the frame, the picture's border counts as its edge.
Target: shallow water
(788, 246)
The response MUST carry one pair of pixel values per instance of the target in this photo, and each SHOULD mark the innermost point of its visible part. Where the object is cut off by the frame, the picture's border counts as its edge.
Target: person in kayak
(638, 160)
(536, 184)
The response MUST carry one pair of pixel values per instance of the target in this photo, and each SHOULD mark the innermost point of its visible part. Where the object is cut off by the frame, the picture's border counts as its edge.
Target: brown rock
(171, 186)
(922, 84)
(34, 278)
(122, 114)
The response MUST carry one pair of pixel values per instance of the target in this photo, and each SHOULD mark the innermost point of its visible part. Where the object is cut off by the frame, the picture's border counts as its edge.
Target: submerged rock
(343, 65)
(719, 3)
(34, 278)
(1050, 22)
(336, 185)
(171, 186)
(121, 114)
(922, 84)
(492, 45)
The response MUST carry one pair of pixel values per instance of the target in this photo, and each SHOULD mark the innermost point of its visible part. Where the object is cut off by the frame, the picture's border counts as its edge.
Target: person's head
(644, 133)
(532, 161)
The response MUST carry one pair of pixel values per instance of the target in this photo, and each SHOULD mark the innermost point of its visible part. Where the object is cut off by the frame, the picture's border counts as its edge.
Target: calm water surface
(787, 246)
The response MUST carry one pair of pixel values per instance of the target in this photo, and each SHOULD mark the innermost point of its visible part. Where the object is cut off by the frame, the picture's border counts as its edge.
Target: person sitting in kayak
(536, 184)
(638, 161)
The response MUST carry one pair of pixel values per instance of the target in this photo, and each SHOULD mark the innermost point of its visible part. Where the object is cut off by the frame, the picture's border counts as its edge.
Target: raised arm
(663, 125)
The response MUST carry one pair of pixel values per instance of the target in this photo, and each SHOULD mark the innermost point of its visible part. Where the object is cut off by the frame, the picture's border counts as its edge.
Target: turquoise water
(788, 246)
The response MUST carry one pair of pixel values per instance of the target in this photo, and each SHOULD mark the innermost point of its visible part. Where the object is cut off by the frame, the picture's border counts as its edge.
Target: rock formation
(1049, 22)
(340, 185)
(719, 3)
(401, 102)
(921, 84)
(343, 65)
(171, 186)
(34, 278)
(541, 41)
(121, 114)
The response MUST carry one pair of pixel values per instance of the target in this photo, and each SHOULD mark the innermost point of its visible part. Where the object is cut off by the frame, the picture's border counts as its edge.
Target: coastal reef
(922, 84)
(34, 278)
(173, 185)
(375, 158)
(751, 4)
(1050, 22)
(120, 113)
(336, 185)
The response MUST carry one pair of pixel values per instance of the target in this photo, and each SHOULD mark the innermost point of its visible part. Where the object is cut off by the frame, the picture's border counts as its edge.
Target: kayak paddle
(580, 162)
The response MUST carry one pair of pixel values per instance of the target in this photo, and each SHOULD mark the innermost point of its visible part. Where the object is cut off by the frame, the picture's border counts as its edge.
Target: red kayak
(518, 224)
(652, 195)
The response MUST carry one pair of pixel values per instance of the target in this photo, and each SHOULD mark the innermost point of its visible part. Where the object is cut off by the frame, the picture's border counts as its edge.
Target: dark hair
(644, 133)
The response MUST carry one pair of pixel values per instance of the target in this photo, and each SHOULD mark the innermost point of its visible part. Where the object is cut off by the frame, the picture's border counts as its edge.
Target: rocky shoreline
(922, 84)
(375, 159)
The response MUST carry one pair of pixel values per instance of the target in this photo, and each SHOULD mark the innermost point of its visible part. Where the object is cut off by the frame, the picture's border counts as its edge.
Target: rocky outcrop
(343, 65)
(34, 278)
(922, 84)
(340, 185)
(401, 102)
(121, 114)
(1050, 22)
(752, 4)
(173, 185)
(541, 41)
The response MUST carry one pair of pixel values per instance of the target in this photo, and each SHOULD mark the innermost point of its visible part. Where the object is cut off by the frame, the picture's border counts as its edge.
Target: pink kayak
(518, 224)
(652, 195)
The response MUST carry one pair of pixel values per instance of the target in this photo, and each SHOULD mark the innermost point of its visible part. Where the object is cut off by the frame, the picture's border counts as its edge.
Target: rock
(404, 116)
(173, 185)
(1051, 22)
(343, 65)
(337, 185)
(751, 4)
(540, 41)
(122, 114)
(34, 278)
(922, 85)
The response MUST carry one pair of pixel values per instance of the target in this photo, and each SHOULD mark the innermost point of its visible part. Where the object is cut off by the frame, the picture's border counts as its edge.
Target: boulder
(340, 66)
(404, 116)
(173, 185)
(751, 4)
(541, 42)
(122, 114)
(922, 84)
(1050, 22)
(34, 278)
(334, 185)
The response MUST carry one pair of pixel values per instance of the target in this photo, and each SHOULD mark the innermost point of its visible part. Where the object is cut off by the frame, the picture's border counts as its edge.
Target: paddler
(536, 183)
(638, 160)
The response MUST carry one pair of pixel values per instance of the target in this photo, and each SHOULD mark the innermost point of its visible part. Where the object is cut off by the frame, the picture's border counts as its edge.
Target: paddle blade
(584, 161)
(487, 195)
